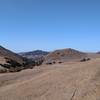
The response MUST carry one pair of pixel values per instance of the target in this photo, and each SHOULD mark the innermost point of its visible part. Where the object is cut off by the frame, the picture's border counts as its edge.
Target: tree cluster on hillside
(14, 66)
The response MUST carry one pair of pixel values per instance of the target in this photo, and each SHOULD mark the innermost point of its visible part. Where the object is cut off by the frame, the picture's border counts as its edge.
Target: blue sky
(27, 25)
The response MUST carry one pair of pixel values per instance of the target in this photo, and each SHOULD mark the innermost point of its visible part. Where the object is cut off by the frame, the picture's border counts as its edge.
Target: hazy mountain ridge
(26, 60)
(34, 54)
(98, 52)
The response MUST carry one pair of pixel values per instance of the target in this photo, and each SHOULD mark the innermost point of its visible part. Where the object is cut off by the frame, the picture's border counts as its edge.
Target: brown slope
(93, 55)
(10, 61)
(5, 53)
(65, 55)
(77, 81)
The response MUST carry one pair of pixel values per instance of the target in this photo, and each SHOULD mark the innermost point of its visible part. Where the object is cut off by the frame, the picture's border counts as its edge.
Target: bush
(13, 63)
(17, 69)
(85, 59)
(49, 63)
(59, 62)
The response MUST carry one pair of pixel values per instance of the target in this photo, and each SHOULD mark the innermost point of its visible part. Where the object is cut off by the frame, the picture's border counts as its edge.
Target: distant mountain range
(98, 52)
(10, 61)
(34, 54)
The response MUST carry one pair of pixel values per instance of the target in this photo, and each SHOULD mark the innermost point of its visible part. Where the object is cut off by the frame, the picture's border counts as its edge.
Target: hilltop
(64, 55)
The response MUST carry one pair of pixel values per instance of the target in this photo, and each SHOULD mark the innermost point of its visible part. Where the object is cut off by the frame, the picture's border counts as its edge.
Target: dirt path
(76, 81)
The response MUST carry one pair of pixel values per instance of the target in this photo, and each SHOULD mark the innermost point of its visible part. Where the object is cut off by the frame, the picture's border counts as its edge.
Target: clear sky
(27, 25)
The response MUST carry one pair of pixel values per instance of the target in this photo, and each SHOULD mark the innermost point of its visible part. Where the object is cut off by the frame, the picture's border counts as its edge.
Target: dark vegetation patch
(14, 66)
(85, 59)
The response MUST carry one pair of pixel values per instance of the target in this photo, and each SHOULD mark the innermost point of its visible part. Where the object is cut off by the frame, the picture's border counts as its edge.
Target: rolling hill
(9, 60)
(9, 54)
(64, 55)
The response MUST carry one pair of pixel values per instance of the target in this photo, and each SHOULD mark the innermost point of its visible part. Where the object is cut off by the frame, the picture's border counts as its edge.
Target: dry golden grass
(68, 81)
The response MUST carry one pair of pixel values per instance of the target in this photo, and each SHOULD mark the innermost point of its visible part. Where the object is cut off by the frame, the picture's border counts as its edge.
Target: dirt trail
(76, 81)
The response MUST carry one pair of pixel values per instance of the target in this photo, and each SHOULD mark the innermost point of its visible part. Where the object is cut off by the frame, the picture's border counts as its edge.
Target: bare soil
(67, 81)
